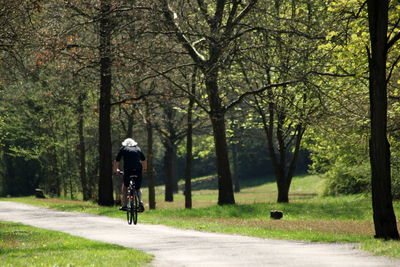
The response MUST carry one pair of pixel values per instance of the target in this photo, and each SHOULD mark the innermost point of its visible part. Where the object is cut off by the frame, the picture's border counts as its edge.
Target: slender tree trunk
(188, 167)
(93, 178)
(234, 153)
(67, 166)
(105, 150)
(54, 178)
(383, 213)
(82, 147)
(217, 116)
(169, 172)
(235, 168)
(150, 172)
(10, 176)
(174, 172)
(189, 145)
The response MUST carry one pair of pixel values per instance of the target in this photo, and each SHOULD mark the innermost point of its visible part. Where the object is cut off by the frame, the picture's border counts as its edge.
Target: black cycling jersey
(132, 156)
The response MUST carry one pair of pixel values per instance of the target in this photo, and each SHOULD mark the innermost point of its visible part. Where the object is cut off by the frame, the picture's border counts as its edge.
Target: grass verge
(22, 245)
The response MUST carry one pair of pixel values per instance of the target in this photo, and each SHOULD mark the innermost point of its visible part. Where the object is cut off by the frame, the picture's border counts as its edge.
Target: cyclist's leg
(138, 185)
(124, 196)
(124, 190)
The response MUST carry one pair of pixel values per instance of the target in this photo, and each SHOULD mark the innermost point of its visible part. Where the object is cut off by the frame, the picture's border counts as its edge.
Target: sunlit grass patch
(22, 245)
(383, 247)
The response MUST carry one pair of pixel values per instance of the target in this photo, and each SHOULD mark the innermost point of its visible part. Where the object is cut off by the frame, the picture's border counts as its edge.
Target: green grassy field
(308, 216)
(22, 245)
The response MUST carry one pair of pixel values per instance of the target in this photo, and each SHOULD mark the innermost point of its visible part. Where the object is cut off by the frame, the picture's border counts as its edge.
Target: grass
(22, 245)
(308, 216)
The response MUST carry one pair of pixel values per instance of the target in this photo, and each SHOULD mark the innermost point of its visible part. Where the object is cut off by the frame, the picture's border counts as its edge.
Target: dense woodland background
(232, 89)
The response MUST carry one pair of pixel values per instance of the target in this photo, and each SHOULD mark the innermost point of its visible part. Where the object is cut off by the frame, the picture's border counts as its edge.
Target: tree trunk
(188, 167)
(189, 145)
(235, 168)
(10, 177)
(217, 116)
(82, 148)
(129, 130)
(67, 166)
(173, 168)
(170, 151)
(383, 213)
(54, 178)
(283, 188)
(105, 150)
(150, 172)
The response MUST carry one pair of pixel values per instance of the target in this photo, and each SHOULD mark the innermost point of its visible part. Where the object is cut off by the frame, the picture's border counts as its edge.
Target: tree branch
(244, 12)
(218, 15)
(331, 74)
(243, 96)
(393, 41)
(392, 68)
(164, 74)
(204, 11)
(170, 17)
(135, 98)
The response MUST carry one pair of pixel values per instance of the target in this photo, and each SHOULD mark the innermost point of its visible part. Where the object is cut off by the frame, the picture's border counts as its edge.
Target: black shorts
(138, 179)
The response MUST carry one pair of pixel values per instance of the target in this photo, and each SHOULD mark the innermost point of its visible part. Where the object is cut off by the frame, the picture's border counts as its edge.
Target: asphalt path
(176, 247)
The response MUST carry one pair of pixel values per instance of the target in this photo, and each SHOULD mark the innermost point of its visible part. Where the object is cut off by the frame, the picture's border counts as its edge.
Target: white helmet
(129, 142)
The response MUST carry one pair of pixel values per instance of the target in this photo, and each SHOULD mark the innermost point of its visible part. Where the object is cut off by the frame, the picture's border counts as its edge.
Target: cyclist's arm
(116, 162)
(116, 167)
(144, 164)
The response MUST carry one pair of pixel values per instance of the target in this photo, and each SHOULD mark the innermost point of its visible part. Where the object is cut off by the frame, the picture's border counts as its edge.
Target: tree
(281, 70)
(105, 180)
(171, 134)
(383, 213)
(216, 34)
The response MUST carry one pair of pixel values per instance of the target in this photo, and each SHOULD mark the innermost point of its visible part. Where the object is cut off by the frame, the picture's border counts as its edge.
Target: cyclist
(133, 158)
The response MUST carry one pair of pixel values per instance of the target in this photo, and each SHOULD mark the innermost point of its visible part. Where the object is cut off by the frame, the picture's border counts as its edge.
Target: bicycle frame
(132, 192)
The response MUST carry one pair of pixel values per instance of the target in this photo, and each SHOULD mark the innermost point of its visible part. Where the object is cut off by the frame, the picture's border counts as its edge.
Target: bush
(344, 179)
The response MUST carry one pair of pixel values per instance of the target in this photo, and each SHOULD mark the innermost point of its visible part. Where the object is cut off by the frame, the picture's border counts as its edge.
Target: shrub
(348, 179)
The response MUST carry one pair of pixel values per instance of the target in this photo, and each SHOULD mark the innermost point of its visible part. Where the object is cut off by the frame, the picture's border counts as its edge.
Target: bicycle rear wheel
(135, 209)
(129, 212)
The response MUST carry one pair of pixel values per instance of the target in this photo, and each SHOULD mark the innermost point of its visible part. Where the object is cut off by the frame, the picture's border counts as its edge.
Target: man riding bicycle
(133, 158)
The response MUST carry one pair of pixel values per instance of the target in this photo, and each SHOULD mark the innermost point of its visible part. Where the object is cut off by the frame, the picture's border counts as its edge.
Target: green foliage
(55, 62)
(395, 160)
(339, 142)
(346, 179)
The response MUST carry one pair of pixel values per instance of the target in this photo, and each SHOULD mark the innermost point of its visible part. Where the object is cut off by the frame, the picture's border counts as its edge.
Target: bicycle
(133, 201)
(132, 207)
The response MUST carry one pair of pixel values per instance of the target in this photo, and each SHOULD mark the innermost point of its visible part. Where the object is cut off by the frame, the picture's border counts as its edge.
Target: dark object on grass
(276, 214)
(39, 193)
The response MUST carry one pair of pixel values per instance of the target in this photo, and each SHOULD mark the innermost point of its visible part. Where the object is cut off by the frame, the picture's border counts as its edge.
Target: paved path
(175, 247)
